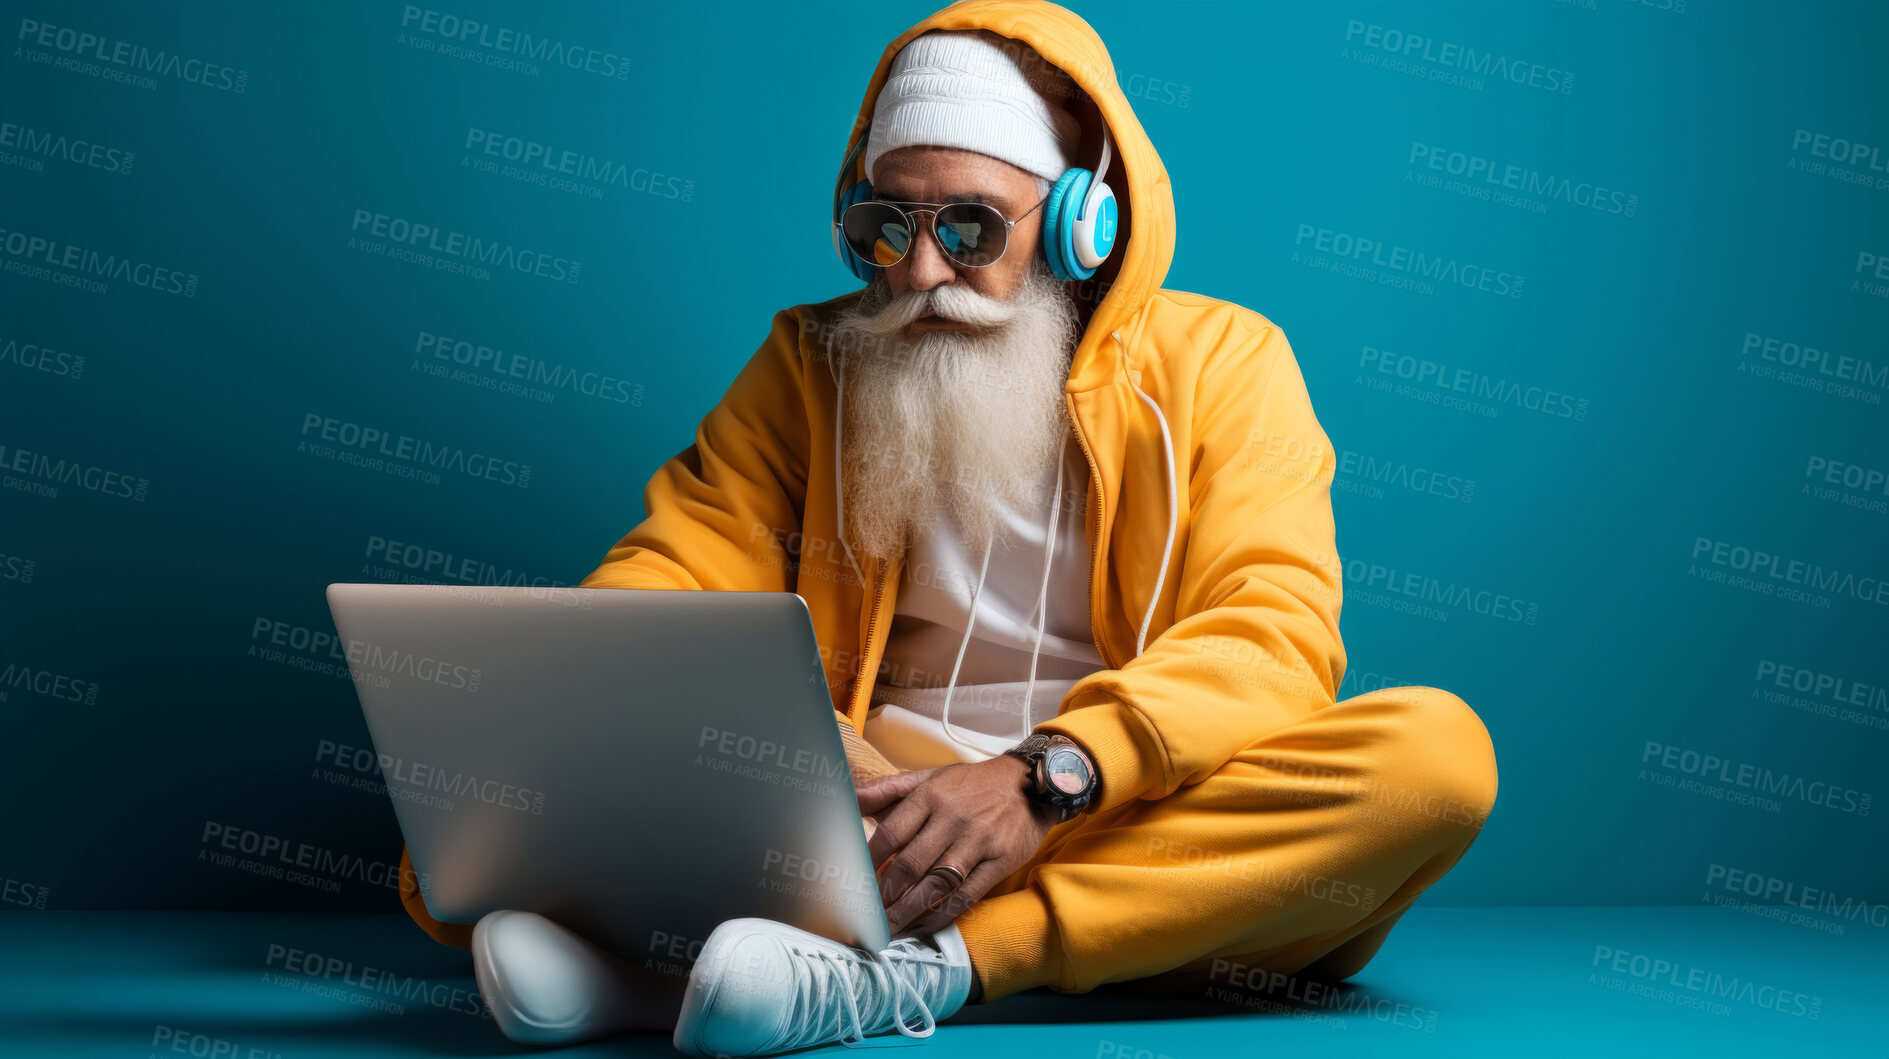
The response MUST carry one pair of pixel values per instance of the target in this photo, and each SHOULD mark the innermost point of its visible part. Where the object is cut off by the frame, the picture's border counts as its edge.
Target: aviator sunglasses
(971, 234)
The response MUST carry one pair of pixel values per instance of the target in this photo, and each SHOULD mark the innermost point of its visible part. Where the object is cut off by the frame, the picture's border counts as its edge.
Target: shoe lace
(822, 1017)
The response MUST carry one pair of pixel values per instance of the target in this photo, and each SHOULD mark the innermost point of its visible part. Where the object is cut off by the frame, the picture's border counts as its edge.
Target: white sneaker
(761, 987)
(546, 985)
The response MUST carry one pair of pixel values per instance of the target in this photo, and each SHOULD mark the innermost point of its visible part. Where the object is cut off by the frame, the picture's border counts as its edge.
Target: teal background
(156, 602)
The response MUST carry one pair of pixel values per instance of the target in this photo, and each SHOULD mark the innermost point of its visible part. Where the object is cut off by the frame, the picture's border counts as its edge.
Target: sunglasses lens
(876, 232)
(972, 233)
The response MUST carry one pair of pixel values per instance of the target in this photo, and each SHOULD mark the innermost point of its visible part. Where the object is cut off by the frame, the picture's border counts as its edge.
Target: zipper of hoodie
(865, 647)
(1095, 542)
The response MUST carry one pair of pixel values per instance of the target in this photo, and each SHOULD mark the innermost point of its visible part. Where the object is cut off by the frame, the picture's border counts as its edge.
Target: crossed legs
(1296, 857)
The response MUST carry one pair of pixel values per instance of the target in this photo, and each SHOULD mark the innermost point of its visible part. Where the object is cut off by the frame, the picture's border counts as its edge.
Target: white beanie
(963, 89)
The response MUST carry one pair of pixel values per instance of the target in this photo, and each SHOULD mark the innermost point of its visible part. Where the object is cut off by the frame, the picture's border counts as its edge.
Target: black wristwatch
(1061, 774)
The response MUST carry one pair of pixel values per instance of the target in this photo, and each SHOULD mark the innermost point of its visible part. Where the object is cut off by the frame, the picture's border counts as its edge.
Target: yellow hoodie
(1195, 421)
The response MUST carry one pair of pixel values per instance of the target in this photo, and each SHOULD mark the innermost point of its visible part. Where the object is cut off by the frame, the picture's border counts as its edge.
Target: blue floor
(1670, 982)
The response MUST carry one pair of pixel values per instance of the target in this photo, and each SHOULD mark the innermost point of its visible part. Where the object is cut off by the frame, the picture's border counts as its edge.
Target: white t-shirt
(928, 624)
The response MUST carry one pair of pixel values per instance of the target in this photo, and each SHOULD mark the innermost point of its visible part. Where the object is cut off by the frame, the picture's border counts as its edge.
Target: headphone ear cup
(1068, 264)
(854, 263)
(1095, 237)
(1057, 218)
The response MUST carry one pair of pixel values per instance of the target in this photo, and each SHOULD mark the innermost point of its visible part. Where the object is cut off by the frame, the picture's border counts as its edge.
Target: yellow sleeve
(1254, 645)
(720, 512)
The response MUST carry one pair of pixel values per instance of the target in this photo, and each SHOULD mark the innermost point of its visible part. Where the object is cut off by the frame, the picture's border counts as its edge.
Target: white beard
(955, 426)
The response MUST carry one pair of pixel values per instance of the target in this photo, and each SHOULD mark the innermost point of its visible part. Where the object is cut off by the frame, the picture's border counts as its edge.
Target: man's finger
(965, 854)
(928, 891)
(876, 794)
(908, 887)
(896, 828)
(982, 878)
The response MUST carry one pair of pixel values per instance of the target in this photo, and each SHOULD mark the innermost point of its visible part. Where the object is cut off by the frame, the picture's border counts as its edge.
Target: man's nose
(929, 267)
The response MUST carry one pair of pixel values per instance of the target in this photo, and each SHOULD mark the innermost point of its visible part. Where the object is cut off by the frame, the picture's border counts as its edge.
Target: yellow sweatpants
(1297, 855)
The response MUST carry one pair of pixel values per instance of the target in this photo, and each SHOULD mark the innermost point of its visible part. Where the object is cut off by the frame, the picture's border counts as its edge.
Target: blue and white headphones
(1078, 220)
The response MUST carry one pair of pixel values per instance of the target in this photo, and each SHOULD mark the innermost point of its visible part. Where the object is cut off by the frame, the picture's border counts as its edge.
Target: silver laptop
(635, 765)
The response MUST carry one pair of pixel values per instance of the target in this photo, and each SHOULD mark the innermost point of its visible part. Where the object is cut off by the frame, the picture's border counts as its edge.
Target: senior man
(1067, 542)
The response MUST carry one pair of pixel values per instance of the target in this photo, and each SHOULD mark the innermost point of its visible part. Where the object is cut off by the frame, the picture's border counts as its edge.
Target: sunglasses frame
(932, 208)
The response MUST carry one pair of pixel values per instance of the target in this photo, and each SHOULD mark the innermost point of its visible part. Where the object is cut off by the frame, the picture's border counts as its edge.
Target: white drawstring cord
(1160, 580)
(1042, 595)
(839, 502)
(976, 594)
(1041, 613)
(1167, 468)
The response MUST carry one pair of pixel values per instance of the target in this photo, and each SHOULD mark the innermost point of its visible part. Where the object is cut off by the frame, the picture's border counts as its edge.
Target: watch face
(1067, 773)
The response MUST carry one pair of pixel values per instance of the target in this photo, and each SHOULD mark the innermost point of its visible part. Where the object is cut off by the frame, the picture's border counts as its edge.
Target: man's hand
(974, 817)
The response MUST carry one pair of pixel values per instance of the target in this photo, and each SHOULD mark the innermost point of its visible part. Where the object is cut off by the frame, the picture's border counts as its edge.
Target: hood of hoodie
(1145, 233)
(1184, 522)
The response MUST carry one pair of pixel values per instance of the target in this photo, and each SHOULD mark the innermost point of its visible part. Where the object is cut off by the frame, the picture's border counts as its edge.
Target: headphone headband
(846, 169)
(1100, 172)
